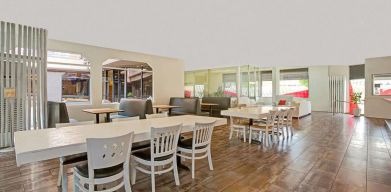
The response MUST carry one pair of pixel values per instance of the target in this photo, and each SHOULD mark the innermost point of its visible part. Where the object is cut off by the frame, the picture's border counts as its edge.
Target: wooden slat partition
(22, 69)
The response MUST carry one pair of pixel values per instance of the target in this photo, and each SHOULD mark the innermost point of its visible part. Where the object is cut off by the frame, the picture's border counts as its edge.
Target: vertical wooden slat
(2, 114)
(18, 79)
(12, 79)
(28, 48)
(24, 78)
(44, 81)
(6, 79)
(33, 78)
(39, 74)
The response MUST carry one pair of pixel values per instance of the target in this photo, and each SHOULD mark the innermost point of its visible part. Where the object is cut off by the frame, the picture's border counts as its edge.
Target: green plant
(356, 97)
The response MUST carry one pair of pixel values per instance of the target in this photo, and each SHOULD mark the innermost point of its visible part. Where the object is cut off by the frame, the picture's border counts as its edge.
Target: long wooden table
(39, 145)
(99, 111)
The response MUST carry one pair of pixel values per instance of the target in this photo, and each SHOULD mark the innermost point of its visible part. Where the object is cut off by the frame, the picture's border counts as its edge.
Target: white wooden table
(251, 113)
(44, 144)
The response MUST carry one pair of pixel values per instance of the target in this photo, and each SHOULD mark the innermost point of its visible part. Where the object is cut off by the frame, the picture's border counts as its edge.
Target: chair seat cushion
(71, 159)
(82, 170)
(145, 154)
(188, 144)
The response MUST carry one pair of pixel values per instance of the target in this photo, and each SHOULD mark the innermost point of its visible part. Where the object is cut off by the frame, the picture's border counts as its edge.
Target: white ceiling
(215, 33)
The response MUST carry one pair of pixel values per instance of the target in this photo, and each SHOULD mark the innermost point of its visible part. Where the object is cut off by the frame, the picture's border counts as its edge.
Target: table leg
(169, 111)
(108, 117)
(211, 109)
(157, 110)
(97, 118)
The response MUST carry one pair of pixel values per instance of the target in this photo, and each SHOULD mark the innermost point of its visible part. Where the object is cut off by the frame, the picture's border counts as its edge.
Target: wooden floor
(327, 153)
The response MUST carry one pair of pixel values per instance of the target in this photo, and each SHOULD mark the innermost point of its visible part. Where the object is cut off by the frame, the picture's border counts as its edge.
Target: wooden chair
(198, 144)
(157, 115)
(164, 141)
(108, 162)
(238, 126)
(125, 119)
(279, 124)
(288, 122)
(265, 128)
(69, 161)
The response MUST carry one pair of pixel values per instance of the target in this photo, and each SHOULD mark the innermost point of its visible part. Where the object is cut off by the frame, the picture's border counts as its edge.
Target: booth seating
(223, 104)
(134, 107)
(188, 106)
(57, 113)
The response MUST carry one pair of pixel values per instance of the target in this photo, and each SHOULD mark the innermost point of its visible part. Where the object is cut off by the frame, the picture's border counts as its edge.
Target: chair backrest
(135, 107)
(108, 152)
(202, 134)
(57, 113)
(164, 140)
(187, 105)
(59, 125)
(281, 116)
(289, 115)
(126, 119)
(157, 115)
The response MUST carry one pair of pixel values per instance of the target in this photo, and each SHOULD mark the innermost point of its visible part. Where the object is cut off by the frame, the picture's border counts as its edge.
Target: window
(266, 83)
(229, 82)
(294, 82)
(126, 79)
(382, 84)
(68, 77)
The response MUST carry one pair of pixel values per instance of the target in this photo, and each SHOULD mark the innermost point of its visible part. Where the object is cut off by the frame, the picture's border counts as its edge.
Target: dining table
(253, 112)
(99, 111)
(165, 107)
(52, 143)
(210, 106)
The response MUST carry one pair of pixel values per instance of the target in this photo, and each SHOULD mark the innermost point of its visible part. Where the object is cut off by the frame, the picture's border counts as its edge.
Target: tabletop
(102, 110)
(209, 104)
(166, 106)
(258, 112)
(38, 145)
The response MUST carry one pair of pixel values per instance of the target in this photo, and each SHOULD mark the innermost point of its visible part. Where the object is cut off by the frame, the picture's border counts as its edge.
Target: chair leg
(127, 180)
(75, 181)
(244, 134)
(230, 133)
(59, 180)
(153, 177)
(176, 176)
(192, 165)
(64, 183)
(291, 128)
(249, 136)
(267, 136)
(133, 174)
(210, 160)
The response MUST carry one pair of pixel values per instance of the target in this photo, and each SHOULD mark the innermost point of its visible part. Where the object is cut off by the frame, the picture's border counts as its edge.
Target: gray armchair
(134, 107)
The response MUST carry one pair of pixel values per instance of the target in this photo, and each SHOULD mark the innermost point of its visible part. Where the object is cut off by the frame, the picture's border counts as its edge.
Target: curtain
(22, 80)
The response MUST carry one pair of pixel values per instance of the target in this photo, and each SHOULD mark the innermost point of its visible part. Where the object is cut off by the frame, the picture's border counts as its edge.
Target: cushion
(282, 102)
(71, 159)
(82, 170)
(188, 144)
(146, 155)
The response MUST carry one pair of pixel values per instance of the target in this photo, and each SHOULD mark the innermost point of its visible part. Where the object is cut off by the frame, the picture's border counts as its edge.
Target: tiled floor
(327, 153)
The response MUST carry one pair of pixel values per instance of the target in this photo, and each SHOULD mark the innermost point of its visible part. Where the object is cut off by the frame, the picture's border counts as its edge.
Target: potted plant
(356, 99)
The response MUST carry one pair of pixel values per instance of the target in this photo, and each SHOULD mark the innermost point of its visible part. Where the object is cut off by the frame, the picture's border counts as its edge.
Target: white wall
(168, 74)
(376, 106)
(54, 86)
(319, 94)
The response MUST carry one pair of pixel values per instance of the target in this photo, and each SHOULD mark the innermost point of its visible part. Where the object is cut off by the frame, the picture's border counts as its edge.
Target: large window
(126, 79)
(294, 82)
(267, 84)
(382, 84)
(68, 77)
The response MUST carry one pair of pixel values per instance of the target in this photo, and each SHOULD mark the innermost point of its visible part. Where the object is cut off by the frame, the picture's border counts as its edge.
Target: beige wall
(319, 88)
(376, 106)
(168, 73)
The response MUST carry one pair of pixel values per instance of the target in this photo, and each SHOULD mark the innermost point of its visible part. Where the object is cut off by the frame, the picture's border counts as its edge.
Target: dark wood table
(99, 111)
(210, 105)
(167, 107)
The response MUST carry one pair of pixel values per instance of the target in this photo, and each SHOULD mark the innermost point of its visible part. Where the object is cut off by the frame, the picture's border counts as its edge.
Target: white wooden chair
(238, 126)
(108, 161)
(69, 161)
(164, 141)
(265, 128)
(288, 122)
(199, 145)
(279, 124)
(156, 115)
(126, 119)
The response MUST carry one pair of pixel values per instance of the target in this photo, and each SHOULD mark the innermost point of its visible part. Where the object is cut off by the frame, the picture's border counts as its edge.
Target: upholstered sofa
(302, 108)
(188, 106)
(223, 104)
(134, 107)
